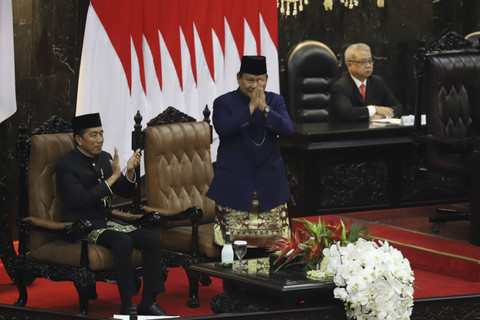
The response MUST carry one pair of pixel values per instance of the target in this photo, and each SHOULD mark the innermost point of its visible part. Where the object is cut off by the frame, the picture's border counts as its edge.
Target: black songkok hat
(91, 120)
(255, 65)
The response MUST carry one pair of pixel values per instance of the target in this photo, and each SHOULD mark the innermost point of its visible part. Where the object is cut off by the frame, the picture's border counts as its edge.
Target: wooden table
(335, 168)
(258, 288)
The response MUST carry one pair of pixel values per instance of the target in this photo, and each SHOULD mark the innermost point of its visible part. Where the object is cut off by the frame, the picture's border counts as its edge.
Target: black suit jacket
(346, 102)
(81, 184)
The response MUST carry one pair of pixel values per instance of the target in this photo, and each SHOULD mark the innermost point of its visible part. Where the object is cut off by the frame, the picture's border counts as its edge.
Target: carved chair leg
(22, 294)
(21, 279)
(193, 280)
(84, 290)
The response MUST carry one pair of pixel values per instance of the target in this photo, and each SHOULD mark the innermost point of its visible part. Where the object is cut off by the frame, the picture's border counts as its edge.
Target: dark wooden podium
(335, 168)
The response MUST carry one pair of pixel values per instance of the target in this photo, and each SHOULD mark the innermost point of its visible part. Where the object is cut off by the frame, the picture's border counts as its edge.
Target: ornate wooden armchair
(444, 72)
(44, 251)
(178, 172)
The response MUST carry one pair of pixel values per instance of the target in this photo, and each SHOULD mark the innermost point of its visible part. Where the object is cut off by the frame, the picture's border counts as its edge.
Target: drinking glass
(240, 249)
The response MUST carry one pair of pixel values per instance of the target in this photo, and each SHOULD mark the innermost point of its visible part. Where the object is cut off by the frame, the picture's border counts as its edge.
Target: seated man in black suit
(86, 178)
(359, 95)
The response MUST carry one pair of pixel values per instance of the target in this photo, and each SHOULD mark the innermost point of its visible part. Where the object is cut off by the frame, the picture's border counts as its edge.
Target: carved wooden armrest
(194, 214)
(72, 230)
(46, 224)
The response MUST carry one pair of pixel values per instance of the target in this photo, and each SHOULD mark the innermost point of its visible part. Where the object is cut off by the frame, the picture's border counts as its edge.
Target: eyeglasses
(363, 61)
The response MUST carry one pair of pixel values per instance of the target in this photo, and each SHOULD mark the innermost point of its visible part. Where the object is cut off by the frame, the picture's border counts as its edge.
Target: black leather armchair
(312, 69)
(444, 72)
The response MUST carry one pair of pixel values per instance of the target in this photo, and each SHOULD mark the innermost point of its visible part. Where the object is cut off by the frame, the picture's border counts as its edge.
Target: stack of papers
(388, 121)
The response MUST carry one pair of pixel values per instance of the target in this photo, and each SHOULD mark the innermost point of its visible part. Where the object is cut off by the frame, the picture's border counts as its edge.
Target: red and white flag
(150, 54)
(8, 101)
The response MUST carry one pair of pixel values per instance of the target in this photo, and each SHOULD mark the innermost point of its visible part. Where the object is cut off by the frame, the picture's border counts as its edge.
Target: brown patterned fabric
(259, 229)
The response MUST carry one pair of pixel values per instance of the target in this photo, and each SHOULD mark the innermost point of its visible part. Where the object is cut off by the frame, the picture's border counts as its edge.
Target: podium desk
(334, 168)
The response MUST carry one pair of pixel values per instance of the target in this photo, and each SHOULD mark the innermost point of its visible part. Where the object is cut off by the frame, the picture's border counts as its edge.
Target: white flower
(374, 281)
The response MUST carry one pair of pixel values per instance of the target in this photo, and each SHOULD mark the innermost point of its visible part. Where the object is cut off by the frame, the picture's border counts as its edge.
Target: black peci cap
(255, 65)
(91, 120)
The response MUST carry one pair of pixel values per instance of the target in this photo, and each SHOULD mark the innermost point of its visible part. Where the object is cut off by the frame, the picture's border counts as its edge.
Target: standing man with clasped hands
(358, 94)
(250, 186)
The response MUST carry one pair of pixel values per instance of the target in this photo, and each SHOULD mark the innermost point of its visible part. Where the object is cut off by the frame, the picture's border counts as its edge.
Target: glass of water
(240, 249)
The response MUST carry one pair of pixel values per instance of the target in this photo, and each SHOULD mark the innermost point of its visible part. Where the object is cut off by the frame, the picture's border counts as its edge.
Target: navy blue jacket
(248, 156)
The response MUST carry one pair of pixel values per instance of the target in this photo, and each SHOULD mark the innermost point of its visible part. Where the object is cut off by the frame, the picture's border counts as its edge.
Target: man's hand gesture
(133, 162)
(116, 171)
(257, 101)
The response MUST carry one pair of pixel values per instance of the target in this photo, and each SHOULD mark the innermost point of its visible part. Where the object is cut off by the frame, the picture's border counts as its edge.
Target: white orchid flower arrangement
(373, 280)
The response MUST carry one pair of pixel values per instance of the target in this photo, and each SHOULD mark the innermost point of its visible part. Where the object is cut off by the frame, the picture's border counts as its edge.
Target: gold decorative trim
(473, 34)
(451, 255)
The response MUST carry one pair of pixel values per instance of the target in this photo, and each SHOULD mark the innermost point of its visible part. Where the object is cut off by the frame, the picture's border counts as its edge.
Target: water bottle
(227, 252)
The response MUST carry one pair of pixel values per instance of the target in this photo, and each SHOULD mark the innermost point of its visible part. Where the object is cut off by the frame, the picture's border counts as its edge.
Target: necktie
(362, 90)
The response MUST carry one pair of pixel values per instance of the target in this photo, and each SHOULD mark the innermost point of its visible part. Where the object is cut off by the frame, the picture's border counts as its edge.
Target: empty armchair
(178, 172)
(312, 69)
(443, 74)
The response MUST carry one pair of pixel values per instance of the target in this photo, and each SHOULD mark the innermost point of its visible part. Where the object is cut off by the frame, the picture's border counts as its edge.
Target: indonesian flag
(8, 101)
(147, 55)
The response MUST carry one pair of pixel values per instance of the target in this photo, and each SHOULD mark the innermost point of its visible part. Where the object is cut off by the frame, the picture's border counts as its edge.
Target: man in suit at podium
(358, 95)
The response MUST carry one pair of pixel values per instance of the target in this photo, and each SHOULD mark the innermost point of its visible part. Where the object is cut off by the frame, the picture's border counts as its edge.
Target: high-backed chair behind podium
(312, 69)
(444, 73)
(178, 172)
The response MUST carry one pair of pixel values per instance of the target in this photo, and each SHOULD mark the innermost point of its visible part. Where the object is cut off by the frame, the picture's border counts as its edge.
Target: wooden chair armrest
(73, 230)
(46, 224)
(194, 214)
(161, 211)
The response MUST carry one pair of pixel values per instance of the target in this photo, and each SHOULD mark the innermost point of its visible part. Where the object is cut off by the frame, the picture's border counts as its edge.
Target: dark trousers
(122, 244)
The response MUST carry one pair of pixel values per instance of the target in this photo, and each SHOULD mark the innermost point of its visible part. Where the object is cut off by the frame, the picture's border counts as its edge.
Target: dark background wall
(49, 34)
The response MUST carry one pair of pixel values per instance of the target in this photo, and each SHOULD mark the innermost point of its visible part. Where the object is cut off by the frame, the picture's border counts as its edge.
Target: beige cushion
(179, 168)
(178, 171)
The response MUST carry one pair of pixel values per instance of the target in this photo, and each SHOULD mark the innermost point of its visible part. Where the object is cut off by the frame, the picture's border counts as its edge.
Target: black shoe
(152, 310)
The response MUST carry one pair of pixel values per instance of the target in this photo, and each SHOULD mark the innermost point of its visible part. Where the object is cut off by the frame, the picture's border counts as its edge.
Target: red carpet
(408, 230)
(62, 296)
(389, 224)
(447, 253)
